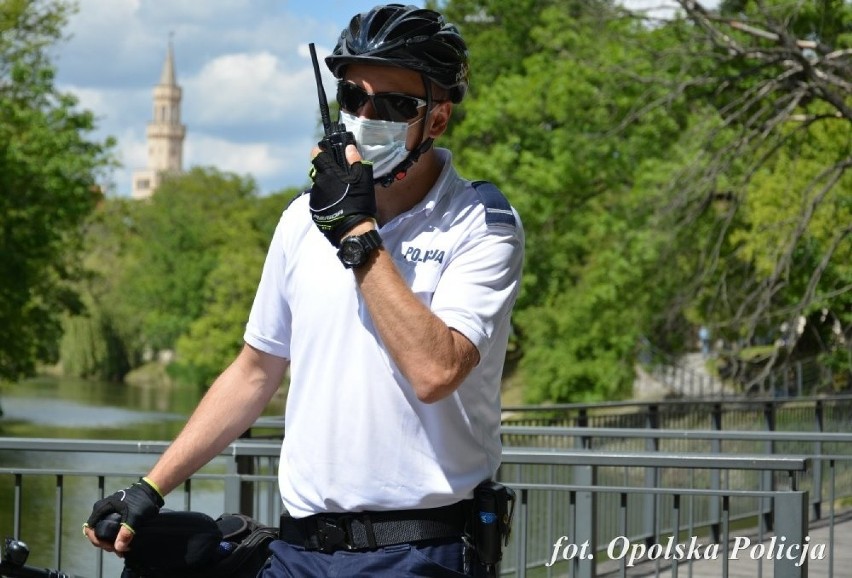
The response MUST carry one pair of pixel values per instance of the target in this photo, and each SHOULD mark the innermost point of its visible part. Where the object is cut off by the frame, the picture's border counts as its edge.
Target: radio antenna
(323, 102)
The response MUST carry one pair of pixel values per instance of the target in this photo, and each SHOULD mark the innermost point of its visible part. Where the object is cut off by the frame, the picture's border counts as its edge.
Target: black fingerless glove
(340, 200)
(136, 504)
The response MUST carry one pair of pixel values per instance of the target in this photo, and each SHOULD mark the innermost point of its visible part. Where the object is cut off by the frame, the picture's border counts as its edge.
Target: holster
(491, 524)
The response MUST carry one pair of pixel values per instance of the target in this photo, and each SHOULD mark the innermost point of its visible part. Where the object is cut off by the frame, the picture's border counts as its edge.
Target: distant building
(165, 133)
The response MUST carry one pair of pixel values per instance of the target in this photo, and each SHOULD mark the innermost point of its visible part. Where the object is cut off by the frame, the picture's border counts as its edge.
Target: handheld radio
(336, 136)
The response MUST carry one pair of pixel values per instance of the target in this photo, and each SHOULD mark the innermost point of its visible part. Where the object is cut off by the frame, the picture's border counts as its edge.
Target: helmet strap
(399, 171)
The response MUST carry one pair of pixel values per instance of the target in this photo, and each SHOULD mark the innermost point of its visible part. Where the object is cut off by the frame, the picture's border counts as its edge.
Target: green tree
(49, 169)
(176, 272)
(103, 341)
(645, 157)
(178, 237)
(761, 207)
(216, 335)
(555, 129)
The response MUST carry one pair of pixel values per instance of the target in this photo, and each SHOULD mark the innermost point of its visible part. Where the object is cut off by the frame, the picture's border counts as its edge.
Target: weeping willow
(90, 348)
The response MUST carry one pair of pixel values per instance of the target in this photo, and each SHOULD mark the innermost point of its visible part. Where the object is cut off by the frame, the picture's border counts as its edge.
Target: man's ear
(439, 119)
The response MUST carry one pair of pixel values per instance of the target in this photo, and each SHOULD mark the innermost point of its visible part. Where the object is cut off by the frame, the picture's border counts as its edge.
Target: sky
(249, 94)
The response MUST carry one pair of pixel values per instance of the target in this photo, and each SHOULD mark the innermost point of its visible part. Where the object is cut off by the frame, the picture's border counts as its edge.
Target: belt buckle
(333, 535)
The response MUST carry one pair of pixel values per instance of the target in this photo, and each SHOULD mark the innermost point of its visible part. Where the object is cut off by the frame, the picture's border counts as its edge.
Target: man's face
(375, 79)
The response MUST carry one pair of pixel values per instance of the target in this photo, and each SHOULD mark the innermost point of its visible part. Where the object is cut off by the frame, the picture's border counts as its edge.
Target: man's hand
(340, 200)
(136, 504)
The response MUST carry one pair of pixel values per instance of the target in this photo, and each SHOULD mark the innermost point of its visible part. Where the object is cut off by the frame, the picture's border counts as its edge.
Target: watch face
(352, 253)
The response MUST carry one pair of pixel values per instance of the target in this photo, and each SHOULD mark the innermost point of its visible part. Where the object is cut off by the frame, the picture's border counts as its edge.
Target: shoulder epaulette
(498, 211)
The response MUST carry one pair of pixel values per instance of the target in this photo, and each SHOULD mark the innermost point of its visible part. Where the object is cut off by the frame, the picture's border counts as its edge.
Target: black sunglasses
(390, 106)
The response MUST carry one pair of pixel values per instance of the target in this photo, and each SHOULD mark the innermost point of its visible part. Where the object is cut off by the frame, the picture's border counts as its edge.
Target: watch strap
(372, 240)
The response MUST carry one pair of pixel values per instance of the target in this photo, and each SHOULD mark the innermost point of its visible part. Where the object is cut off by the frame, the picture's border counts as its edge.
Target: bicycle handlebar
(13, 563)
(107, 529)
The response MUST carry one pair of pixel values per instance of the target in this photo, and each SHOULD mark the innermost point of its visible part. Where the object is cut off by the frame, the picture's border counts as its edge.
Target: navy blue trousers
(434, 559)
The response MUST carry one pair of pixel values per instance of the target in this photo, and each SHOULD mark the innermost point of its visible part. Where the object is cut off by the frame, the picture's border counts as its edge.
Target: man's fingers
(352, 155)
(90, 534)
(122, 541)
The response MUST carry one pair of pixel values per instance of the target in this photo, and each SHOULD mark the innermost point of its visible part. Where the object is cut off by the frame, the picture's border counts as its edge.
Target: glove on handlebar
(340, 200)
(136, 504)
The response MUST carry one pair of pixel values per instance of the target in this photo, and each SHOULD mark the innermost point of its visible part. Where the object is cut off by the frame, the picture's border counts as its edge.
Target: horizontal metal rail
(655, 460)
(511, 455)
(267, 448)
(676, 403)
(678, 434)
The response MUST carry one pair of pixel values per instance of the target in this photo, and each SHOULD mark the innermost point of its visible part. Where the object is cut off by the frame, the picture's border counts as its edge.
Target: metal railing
(817, 413)
(570, 499)
(563, 494)
(571, 555)
(831, 453)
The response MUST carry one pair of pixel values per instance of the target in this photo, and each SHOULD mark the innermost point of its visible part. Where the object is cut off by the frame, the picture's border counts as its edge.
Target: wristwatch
(355, 250)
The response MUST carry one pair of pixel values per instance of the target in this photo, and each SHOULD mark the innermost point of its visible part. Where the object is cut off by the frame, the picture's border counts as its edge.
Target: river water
(78, 409)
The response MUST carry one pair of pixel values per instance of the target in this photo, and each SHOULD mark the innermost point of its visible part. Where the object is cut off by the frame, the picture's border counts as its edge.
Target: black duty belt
(370, 530)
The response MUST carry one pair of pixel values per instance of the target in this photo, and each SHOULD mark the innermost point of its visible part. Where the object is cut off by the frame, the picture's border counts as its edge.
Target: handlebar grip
(107, 529)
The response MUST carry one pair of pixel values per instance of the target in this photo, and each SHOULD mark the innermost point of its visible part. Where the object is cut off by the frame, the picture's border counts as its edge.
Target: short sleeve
(270, 320)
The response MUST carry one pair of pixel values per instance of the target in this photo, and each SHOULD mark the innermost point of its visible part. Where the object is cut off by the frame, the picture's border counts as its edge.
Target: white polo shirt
(357, 438)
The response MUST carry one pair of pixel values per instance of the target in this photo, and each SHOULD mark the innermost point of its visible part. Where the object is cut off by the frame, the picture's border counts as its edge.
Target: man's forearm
(434, 358)
(229, 408)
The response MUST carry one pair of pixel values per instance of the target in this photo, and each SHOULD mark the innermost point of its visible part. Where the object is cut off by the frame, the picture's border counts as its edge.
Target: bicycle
(173, 544)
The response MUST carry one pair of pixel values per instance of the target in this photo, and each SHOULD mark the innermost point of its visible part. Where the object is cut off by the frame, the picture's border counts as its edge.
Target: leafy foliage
(178, 238)
(177, 272)
(48, 175)
(765, 189)
(546, 130)
(622, 142)
(215, 337)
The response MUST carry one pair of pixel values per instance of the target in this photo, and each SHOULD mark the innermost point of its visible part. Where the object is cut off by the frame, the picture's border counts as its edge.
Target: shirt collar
(438, 190)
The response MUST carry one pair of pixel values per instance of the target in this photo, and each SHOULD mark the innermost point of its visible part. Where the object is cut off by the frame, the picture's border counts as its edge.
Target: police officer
(387, 291)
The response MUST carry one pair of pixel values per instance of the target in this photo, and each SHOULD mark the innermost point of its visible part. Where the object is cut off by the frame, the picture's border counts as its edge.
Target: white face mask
(382, 142)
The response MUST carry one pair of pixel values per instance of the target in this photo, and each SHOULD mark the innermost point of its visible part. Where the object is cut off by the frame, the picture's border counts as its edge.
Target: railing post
(521, 535)
(57, 521)
(246, 466)
(99, 568)
(649, 500)
(232, 485)
(793, 526)
(768, 481)
(716, 475)
(19, 496)
(583, 442)
(585, 520)
(819, 415)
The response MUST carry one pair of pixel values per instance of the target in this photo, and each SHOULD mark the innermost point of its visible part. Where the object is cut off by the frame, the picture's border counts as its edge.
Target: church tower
(165, 133)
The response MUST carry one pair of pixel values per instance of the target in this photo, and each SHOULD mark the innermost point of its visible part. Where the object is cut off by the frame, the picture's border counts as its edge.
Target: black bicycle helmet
(408, 37)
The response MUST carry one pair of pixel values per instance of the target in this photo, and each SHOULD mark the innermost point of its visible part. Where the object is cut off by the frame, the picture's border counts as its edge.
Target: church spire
(167, 78)
(165, 132)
